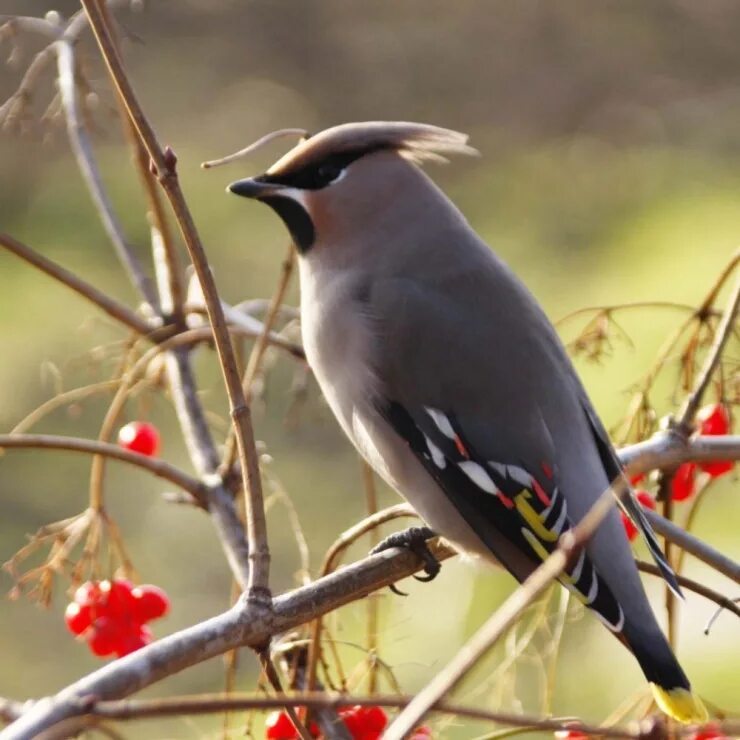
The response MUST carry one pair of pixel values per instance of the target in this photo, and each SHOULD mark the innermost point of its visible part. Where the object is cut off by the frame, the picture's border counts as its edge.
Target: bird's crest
(416, 141)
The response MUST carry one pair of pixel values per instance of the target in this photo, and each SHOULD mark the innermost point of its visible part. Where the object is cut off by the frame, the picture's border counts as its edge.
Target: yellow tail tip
(680, 704)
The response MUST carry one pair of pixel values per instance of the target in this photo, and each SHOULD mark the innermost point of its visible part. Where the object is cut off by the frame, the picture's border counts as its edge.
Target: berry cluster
(141, 437)
(712, 420)
(112, 615)
(363, 723)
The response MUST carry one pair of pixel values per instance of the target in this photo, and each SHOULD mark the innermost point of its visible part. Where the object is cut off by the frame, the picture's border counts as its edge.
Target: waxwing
(447, 376)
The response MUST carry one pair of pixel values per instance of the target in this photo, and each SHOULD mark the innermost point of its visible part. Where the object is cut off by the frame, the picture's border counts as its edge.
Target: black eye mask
(317, 175)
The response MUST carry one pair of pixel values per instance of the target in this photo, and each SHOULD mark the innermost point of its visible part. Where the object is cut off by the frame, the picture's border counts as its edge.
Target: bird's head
(340, 181)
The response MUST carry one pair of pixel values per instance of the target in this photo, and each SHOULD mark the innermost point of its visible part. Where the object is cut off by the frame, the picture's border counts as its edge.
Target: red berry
(279, 726)
(139, 436)
(104, 636)
(709, 732)
(635, 479)
(421, 733)
(647, 502)
(571, 735)
(682, 486)
(149, 602)
(88, 593)
(133, 638)
(353, 720)
(375, 718)
(77, 617)
(714, 421)
(119, 602)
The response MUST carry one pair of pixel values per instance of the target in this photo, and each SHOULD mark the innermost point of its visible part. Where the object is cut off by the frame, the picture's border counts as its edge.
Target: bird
(447, 376)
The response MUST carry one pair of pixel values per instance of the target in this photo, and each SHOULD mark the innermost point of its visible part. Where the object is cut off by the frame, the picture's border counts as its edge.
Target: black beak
(253, 188)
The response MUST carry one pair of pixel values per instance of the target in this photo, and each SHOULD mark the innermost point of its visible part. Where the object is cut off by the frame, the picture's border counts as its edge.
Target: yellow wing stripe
(521, 500)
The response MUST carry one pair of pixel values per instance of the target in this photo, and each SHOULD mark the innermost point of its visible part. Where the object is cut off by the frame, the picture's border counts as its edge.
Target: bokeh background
(609, 172)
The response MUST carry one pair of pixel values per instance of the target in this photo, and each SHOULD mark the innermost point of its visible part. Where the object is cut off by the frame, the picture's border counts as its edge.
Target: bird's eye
(328, 172)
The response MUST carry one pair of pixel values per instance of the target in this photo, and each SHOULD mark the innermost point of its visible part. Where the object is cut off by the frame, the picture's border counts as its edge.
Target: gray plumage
(446, 374)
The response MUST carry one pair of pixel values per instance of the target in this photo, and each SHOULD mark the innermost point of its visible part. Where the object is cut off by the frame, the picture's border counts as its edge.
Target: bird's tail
(671, 688)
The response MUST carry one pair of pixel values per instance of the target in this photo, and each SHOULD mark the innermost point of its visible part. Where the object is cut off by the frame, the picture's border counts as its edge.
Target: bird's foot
(414, 539)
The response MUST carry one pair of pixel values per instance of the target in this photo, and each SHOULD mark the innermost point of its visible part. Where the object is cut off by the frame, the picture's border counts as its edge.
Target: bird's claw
(414, 539)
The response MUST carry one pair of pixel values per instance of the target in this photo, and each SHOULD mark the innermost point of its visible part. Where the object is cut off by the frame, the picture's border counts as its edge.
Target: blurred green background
(610, 143)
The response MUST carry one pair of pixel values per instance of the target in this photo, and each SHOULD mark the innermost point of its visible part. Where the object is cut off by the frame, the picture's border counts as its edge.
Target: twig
(113, 308)
(66, 397)
(271, 673)
(131, 709)
(160, 468)
(570, 544)
(331, 560)
(89, 169)
(724, 331)
(258, 351)
(372, 617)
(164, 251)
(164, 162)
(695, 586)
(695, 546)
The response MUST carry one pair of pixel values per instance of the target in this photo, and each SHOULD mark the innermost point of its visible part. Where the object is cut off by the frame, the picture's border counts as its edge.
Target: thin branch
(131, 709)
(160, 468)
(88, 167)
(331, 560)
(612, 308)
(724, 331)
(258, 351)
(113, 308)
(164, 251)
(164, 161)
(273, 677)
(695, 586)
(700, 550)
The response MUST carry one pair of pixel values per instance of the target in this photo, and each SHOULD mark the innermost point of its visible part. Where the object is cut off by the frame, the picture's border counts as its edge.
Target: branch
(695, 586)
(113, 308)
(668, 450)
(160, 468)
(215, 703)
(724, 331)
(693, 545)
(164, 162)
(89, 169)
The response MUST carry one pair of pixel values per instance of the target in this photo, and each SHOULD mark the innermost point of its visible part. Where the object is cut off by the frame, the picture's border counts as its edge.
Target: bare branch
(208, 704)
(160, 468)
(113, 308)
(258, 351)
(695, 586)
(89, 169)
(724, 331)
(693, 545)
(165, 161)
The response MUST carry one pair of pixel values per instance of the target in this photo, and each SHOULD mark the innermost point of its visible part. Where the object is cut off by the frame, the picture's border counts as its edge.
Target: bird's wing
(500, 495)
(476, 422)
